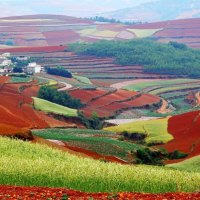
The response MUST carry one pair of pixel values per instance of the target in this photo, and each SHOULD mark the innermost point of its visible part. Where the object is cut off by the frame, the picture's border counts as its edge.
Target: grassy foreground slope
(50, 107)
(22, 163)
(156, 130)
(191, 165)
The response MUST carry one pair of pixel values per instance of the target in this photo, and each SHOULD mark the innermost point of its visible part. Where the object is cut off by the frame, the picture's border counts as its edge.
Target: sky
(78, 8)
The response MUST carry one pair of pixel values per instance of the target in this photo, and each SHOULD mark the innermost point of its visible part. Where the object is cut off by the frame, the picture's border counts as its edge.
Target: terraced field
(60, 30)
(102, 144)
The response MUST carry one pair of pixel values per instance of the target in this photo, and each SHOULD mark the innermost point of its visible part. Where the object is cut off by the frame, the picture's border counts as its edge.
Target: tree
(17, 70)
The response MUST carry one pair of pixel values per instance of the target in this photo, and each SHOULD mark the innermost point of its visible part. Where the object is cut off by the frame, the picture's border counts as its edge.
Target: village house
(6, 63)
(5, 56)
(34, 68)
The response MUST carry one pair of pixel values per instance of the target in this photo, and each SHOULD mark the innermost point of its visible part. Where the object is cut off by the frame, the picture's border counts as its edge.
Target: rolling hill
(52, 30)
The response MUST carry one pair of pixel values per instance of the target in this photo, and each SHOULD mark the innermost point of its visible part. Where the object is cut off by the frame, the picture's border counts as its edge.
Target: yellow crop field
(142, 33)
(156, 129)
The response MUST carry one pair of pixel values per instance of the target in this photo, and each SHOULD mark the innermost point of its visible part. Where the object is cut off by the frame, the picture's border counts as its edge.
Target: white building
(6, 63)
(5, 55)
(33, 68)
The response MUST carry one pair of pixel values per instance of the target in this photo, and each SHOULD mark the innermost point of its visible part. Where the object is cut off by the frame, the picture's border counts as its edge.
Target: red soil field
(144, 99)
(178, 33)
(120, 95)
(185, 129)
(182, 23)
(61, 18)
(4, 79)
(55, 37)
(87, 95)
(16, 112)
(12, 28)
(42, 193)
(112, 103)
(34, 49)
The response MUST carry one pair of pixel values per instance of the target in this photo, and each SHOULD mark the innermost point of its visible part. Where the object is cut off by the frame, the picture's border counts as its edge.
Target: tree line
(172, 58)
(59, 71)
(62, 98)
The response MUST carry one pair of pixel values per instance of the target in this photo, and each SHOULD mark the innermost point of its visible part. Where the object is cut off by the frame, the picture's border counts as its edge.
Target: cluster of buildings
(7, 66)
(5, 63)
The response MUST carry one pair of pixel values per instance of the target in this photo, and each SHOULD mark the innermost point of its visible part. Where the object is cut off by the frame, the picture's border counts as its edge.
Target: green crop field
(16, 79)
(143, 85)
(50, 107)
(191, 165)
(156, 130)
(175, 88)
(82, 79)
(98, 141)
(23, 163)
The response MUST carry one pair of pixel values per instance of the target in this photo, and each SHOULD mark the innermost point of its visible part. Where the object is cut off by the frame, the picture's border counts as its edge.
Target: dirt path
(67, 86)
(197, 97)
(164, 108)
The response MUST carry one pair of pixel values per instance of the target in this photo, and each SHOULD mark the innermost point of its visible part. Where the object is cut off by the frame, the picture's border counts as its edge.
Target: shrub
(177, 155)
(150, 156)
(17, 70)
(91, 123)
(134, 136)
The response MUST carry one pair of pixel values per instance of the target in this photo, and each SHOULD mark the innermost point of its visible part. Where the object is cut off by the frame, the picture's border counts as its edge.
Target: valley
(99, 120)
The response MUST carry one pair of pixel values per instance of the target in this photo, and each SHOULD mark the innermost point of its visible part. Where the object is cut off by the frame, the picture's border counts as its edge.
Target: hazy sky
(64, 7)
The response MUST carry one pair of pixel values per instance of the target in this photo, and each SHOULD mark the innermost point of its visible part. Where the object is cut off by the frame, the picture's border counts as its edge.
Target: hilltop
(160, 10)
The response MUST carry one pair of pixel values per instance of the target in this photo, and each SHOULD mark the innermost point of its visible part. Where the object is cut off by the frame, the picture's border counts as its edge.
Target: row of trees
(59, 71)
(111, 20)
(172, 58)
(61, 98)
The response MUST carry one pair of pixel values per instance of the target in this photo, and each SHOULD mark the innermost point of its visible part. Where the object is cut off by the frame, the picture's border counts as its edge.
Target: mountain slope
(160, 10)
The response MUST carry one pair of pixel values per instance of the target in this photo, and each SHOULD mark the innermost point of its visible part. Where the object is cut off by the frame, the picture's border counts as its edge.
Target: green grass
(50, 107)
(143, 85)
(191, 165)
(98, 141)
(26, 164)
(156, 129)
(82, 79)
(15, 79)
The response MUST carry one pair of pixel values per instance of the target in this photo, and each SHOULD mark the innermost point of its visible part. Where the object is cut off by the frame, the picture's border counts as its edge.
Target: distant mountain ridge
(160, 10)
